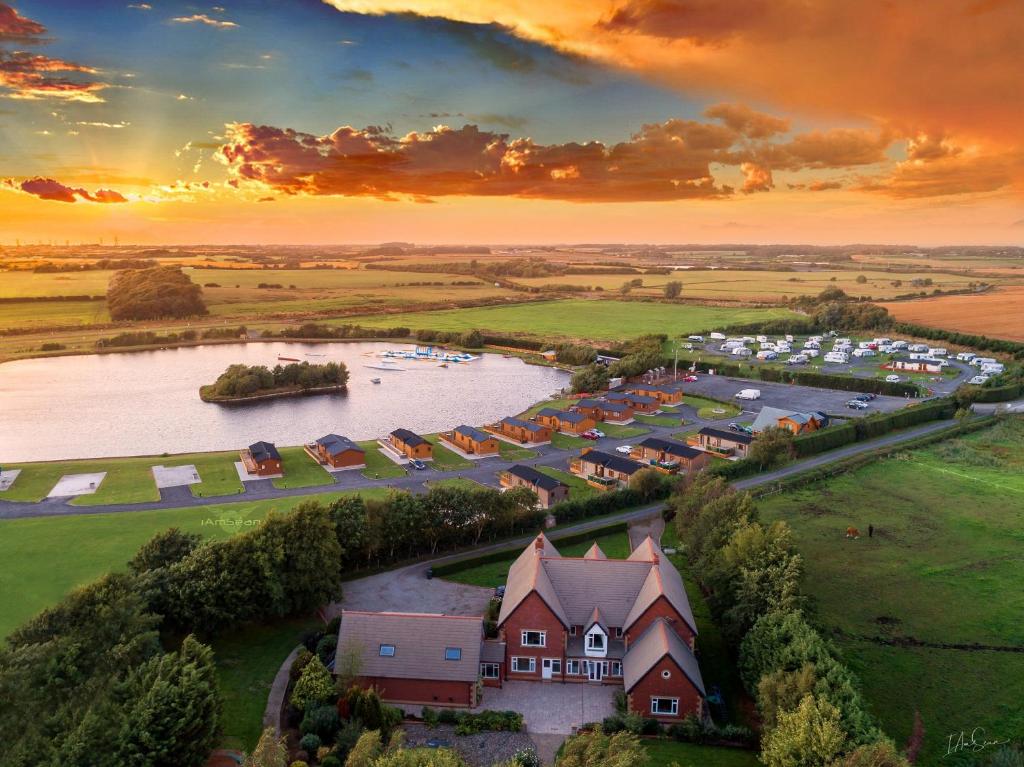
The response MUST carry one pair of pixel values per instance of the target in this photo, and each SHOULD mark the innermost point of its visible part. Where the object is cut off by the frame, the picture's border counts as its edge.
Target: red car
(690, 379)
(589, 435)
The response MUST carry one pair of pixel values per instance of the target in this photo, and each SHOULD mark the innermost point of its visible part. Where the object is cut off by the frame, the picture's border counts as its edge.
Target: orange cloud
(51, 189)
(948, 70)
(34, 76)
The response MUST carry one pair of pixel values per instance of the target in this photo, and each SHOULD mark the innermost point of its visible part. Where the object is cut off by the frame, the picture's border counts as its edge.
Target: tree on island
(248, 380)
(163, 292)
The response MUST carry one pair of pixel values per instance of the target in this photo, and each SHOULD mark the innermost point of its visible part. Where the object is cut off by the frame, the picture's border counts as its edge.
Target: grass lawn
(128, 480)
(575, 318)
(378, 465)
(490, 574)
(568, 442)
(557, 404)
(41, 559)
(445, 459)
(512, 452)
(659, 420)
(460, 483)
(943, 566)
(247, 662)
(624, 431)
(706, 408)
(578, 487)
(664, 753)
(217, 472)
(300, 470)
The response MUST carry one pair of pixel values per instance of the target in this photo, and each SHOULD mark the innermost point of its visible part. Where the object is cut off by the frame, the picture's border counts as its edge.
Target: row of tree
(810, 705)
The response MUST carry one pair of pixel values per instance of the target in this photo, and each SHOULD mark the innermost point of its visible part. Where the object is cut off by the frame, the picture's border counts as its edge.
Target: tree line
(162, 292)
(810, 705)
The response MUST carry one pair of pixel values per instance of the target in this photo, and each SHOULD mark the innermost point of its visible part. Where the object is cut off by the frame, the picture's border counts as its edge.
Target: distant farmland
(598, 320)
(997, 313)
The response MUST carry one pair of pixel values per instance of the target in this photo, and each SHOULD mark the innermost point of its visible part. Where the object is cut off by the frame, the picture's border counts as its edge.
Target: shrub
(322, 721)
(310, 743)
(447, 716)
(430, 718)
(331, 760)
(163, 292)
(326, 647)
(315, 686)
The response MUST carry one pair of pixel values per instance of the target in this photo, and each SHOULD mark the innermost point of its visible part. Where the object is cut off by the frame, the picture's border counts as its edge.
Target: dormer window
(595, 641)
(387, 650)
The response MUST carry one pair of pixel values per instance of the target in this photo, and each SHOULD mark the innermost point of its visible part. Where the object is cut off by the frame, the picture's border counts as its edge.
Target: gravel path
(480, 750)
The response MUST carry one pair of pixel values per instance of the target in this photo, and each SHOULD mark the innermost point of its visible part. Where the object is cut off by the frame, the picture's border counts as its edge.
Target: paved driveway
(409, 590)
(553, 708)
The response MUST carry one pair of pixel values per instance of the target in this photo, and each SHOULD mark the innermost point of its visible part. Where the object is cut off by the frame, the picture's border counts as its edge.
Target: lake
(147, 403)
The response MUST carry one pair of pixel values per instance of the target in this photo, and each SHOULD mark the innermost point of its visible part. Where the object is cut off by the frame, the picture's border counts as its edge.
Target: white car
(597, 433)
(698, 339)
(978, 380)
(892, 379)
(624, 449)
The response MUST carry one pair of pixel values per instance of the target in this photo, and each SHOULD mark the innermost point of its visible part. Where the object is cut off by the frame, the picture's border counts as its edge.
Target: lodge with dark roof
(640, 403)
(603, 410)
(670, 456)
(721, 442)
(525, 432)
(604, 471)
(337, 452)
(262, 459)
(567, 421)
(410, 445)
(472, 441)
(548, 489)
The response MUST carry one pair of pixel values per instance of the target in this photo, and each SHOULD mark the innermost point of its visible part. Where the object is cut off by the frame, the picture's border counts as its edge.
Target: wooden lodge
(337, 452)
(472, 441)
(548, 489)
(567, 421)
(261, 459)
(411, 445)
(525, 432)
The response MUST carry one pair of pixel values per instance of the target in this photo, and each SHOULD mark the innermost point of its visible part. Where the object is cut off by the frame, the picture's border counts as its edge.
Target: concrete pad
(463, 454)
(7, 478)
(176, 476)
(553, 708)
(77, 484)
(247, 477)
(335, 469)
(388, 451)
(517, 443)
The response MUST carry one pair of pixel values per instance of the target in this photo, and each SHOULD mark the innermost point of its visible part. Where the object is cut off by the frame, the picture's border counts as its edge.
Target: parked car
(624, 449)
(857, 404)
(597, 433)
(698, 339)
(892, 379)
(735, 427)
(417, 464)
(690, 379)
(499, 592)
(866, 397)
(588, 435)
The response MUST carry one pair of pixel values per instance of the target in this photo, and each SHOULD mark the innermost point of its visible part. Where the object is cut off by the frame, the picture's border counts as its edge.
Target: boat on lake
(374, 380)
(428, 353)
(287, 359)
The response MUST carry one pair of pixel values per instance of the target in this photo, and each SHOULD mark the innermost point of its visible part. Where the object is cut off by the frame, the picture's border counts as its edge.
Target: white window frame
(556, 665)
(485, 667)
(382, 654)
(616, 668)
(673, 704)
(572, 667)
(590, 641)
(542, 634)
(532, 663)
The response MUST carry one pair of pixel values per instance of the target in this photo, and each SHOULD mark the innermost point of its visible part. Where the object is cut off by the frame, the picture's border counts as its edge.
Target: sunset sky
(512, 121)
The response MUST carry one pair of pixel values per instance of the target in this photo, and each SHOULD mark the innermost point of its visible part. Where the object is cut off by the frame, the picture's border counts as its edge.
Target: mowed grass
(456, 483)
(490, 574)
(510, 452)
(45, 314)
(668, 753)
(944, 566)
(445, 459)
(217, 472)
(659, 420)
(608, 321)
(43, 558)
(568, 441)
(558, 404)
(708, 409)
(300, 470)
(578, 487)
(625, 431)
(378, 465)
(128, 480)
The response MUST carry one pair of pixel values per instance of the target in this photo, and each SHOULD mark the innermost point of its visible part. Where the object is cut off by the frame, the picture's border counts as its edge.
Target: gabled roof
(596, 619)
(770, 416)
(335, 444)
(535, 477)
(657, 642)
(589, 402)
(528, 425)
(473, 433)
(264, 451)
(526, 575)
(614, 462)
(732, 436)
(410, 438)
(629, 397)
(420, 641)
(671, 447)
(594, 552)
(663, 580)
(615, 407)
(664, 388)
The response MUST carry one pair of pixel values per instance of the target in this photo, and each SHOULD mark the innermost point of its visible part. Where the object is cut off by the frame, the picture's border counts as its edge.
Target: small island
(247, 383)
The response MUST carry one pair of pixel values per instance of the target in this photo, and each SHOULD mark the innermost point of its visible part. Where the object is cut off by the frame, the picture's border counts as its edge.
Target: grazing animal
(852, 532)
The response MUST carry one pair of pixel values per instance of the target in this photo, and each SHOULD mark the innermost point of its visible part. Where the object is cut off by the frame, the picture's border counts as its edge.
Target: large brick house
(415, 658)
(596, 620)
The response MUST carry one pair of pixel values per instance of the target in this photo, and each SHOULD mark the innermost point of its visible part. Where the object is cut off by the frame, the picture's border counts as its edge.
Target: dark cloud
(51, 189)
(16, 28)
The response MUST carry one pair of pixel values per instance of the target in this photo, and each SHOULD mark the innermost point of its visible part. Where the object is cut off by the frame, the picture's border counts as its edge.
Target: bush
(326, 647)
(163, 292)
(52, 347)
(447, 716)
(430, 718)
(497, 721)
(322, 721)
(310, 743)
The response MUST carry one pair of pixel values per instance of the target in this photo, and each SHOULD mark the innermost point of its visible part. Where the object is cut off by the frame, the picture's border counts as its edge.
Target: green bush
(430, 718)
(497, 721)
(310, 743)
(322, 721)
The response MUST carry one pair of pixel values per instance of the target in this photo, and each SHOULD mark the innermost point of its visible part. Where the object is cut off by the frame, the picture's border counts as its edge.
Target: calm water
(145, 403)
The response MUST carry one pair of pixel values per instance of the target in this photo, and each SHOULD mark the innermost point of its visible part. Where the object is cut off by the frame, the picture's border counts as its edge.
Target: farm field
(669, 753)
(89, 545)
(613, 320)
(996, 313)
(943, 567)
(763, 285)
(43, 314)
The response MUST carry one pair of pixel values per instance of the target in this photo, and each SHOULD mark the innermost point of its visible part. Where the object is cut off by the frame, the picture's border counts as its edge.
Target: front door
(545, 668)
(595, 670)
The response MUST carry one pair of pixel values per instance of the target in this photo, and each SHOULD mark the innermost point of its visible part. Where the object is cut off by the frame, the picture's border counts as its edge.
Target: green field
(578, 487)
(456, 483)
(511, 452)
(490, 574)
(611, 320)
(378, 465)
(706, 408)
(44, 314)
(568, 442)
(625, 431)
(300, 470)
(944, 567)
(75, 550)
(668, 753)
(659, 420)
(445, 459)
